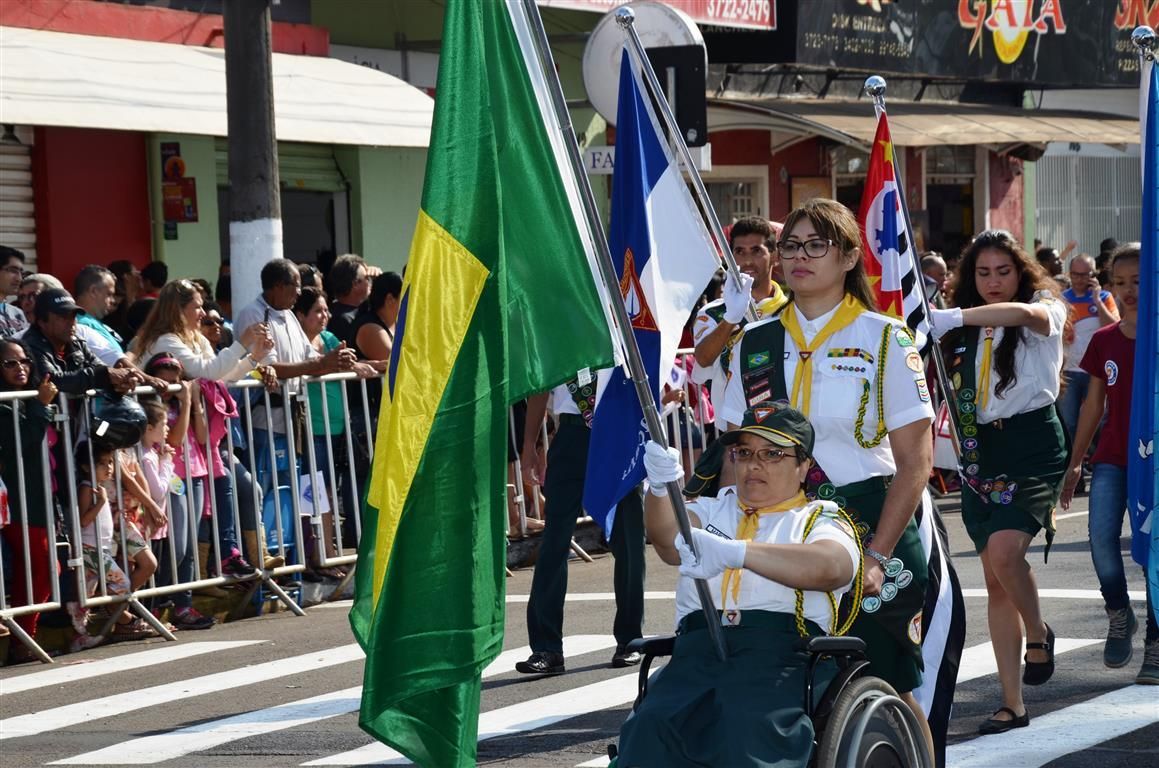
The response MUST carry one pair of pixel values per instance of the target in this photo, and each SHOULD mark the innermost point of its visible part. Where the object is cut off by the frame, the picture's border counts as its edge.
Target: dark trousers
(564, 487)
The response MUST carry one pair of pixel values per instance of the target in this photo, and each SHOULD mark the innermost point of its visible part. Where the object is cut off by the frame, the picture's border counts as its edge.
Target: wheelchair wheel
(870, 727)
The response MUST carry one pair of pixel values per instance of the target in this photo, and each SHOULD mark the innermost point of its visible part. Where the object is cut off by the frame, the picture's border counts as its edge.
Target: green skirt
(746, 712)
(890, 624)
(1018, 477)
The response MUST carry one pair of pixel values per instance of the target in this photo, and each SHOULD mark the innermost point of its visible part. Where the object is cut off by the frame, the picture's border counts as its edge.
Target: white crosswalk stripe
(158, 748)
(112, 706)
(161, 655)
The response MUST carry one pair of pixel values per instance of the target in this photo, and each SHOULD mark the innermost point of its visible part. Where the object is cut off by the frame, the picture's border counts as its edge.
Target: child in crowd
(140, 516)
(94, 476)
(1110, 361)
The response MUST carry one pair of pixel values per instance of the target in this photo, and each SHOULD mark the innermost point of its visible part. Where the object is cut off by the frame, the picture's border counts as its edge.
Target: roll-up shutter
(309, 167)
(17, 220)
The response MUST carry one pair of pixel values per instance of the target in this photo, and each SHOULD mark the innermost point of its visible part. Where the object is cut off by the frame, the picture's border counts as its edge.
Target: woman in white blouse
(174, 328)
(1004, 344)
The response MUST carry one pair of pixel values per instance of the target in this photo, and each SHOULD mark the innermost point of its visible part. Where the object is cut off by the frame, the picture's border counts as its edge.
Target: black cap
(55, 301)
(779, 423)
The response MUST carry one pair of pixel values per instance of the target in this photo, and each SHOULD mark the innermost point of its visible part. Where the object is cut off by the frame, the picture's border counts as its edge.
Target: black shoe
(625, 658)
(1038, 672)
(237, 566)
(994, 725)
(542, 663)
(311, 576)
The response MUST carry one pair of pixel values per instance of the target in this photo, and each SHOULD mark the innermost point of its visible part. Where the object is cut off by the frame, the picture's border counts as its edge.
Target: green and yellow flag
(499, 302)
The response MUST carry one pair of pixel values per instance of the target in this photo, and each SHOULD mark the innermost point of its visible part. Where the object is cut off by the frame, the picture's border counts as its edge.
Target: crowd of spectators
(170, 452)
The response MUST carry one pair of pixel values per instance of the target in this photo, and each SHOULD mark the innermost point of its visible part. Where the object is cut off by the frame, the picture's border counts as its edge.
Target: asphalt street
(283, 691)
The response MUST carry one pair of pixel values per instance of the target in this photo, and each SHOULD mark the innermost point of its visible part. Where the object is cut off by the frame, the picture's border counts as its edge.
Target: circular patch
(1011, 487)
(1000, 485)
(970, 430)
(893, 567)
(1112, 370)
(862, 530)
(1007, 497)
(871, 604)
(970, 456)
(827, 491)
(913, 361)
(996, 497)
(888, 591)
(970, 444)
(839, 501)
(965, 394)
(986, 486)
(904, 579)
(967, 407)
(972, 469)
(967, 419)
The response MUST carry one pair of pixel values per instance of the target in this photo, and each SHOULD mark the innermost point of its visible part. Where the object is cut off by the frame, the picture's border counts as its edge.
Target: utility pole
(255, 216)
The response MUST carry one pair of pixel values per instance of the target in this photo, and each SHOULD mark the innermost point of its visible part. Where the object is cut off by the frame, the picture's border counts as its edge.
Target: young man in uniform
(562, 478)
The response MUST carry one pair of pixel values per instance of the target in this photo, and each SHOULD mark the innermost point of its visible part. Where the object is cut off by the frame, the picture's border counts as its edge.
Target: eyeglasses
(815, 248)
(763, 455)
(207, 321)
(23, 362)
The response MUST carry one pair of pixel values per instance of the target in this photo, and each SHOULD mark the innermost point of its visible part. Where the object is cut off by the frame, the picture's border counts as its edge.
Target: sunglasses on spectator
(207, 321)
(13, 363)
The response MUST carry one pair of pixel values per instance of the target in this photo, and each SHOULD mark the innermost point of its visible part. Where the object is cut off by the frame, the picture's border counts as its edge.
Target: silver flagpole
(626, 18)
(875, 87)
(623, 321)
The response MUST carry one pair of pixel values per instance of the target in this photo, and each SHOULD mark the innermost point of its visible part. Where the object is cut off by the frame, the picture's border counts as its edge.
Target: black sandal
(994, 725)
(1038, 672)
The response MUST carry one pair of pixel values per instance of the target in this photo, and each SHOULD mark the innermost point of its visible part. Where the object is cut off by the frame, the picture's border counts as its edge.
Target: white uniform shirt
(715, 373)
(722, 515)
(561, 401)
(838, 382)
(1037, 361)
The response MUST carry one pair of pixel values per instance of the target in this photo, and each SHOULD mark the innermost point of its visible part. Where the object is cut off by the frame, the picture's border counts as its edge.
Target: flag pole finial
(625, 16)
(1145, 40)
(874, 86)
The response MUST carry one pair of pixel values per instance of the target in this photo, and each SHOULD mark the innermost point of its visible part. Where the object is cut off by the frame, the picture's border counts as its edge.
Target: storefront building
(115, 146)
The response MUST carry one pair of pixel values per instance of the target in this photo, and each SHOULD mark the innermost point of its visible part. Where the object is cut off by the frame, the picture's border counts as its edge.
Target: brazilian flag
(499, 302)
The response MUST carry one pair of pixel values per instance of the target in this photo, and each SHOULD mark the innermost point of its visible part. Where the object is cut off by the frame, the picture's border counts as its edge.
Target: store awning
(81, 81)
(919, 124)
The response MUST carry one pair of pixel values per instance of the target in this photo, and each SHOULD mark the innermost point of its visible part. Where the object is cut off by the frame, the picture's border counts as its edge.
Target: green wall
(197, 250)
(386, 190)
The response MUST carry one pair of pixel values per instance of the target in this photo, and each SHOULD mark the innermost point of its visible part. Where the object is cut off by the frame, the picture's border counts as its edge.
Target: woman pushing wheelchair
(777, 567)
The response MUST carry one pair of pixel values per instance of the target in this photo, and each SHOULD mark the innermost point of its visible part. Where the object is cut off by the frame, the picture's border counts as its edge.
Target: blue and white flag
(664, 258)
(1143, 429)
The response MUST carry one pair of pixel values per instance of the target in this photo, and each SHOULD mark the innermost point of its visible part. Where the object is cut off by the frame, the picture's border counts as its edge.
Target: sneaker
(84, 642)
(542, 663)
(190, 618)
(625, 658)
(1123, 625)
(79, 616)
(237, 566)
(1149, 673)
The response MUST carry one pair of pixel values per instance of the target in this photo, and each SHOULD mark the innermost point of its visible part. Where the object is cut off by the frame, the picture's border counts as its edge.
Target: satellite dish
(657, 25)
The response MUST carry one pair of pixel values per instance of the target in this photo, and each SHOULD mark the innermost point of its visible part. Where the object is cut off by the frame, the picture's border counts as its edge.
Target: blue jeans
(1077, 384)
(1108, 505)
(181, 513)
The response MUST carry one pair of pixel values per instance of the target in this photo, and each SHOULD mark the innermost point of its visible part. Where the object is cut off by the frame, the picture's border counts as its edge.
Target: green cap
(779, 423)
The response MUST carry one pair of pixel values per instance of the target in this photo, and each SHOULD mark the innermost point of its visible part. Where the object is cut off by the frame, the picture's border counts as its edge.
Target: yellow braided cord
(857, 586)
(863, 406)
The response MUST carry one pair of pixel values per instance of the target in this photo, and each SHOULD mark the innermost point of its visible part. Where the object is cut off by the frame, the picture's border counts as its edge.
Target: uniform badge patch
(923, 390)
(903, 338)
(913, 361)
(1112, 371)
(914, 632)
(758, 358)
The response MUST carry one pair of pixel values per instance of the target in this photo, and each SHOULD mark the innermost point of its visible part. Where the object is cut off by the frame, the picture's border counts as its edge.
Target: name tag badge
(584, 375)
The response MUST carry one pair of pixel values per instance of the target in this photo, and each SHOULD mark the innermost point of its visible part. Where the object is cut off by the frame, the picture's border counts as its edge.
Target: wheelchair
(859, 721)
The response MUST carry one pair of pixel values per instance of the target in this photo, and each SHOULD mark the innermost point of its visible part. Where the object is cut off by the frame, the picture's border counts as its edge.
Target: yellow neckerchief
(847, 311)
(745, 531)
(982, 395)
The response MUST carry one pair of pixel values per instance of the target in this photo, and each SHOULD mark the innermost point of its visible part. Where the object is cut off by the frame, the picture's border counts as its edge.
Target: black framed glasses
(762, 455)
(16, 362)
(814, 248)
(208, 321)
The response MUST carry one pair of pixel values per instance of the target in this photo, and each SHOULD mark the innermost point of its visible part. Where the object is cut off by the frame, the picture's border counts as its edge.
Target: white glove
(663, 467)
(717, 554)
(736, 298)
(942, 321)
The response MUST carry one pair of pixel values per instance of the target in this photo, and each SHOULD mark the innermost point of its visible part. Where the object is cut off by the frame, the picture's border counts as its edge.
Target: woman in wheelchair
(777, 567)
